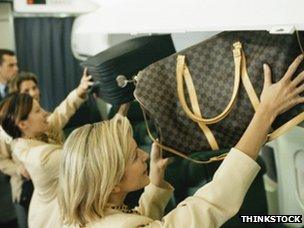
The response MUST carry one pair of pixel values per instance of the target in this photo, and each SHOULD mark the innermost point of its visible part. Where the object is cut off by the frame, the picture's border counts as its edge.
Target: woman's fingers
(295, 101)
(165, 162)
(90, 84)
(88, 77)
(170, 160)
(300, 100)
(293, 67)
(298, 90)
(157, 158)
(85, 71)
(155, 152)
(284, 94)
(86, 81)
(267, 76)
(297, 80)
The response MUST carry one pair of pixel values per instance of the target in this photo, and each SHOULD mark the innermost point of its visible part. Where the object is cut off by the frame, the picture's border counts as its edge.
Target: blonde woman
(101, 164)
(37, 143)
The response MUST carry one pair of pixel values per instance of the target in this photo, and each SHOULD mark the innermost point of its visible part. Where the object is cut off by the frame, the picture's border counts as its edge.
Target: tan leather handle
(178, 153)
(253, 97)
(196, 109)
(182, 69)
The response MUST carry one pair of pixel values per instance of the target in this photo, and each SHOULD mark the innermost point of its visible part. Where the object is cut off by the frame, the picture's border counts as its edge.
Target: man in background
(8, 70)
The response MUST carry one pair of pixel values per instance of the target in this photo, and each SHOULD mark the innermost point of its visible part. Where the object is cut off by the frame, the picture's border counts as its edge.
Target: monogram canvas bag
(205, 96)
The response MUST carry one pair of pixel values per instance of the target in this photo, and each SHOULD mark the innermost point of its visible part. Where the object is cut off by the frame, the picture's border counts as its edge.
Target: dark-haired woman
(37, 143)
(21, 185)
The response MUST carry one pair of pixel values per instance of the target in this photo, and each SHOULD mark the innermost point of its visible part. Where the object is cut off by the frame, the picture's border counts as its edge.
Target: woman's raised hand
(280, 96)
(84, 84)
(276, 98)
(158, 167)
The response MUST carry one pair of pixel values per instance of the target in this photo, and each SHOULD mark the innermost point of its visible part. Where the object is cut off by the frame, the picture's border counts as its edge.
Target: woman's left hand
(84, 84)
(23, 172)
(158, 167)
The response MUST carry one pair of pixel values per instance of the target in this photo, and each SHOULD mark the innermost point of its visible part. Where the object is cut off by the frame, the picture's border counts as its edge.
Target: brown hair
(14, 108)
(14, 85)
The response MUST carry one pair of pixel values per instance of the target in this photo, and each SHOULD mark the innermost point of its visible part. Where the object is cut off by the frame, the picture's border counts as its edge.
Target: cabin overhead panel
(158, 16)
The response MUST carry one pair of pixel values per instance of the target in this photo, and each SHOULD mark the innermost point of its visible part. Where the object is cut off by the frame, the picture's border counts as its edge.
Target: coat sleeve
(42, 162)
(61, 115)
(216, 202)
(153, 201)
(7, 165)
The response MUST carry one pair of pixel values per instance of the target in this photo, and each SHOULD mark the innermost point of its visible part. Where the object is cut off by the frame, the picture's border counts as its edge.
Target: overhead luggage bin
(171, 16)
(189, 22)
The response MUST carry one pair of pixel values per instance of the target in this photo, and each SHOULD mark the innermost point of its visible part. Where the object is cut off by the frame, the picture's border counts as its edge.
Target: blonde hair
(93, 162)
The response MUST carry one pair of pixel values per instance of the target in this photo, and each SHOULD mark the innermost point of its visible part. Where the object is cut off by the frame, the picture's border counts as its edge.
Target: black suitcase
(126, 58)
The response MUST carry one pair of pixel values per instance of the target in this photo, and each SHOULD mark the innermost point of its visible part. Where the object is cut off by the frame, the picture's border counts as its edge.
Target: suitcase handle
(183, 73)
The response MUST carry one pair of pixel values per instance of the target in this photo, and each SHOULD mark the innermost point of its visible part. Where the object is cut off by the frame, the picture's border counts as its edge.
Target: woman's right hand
(84, 84)
(280, 96)
(276, 98)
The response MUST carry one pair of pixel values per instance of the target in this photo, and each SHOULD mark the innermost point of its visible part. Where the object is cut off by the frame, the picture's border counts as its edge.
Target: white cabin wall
(184, 40)
(7, 36)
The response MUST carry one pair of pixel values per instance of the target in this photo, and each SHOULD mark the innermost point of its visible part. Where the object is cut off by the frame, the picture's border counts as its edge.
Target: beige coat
(42, 160)
(10, 166)
(211, 205)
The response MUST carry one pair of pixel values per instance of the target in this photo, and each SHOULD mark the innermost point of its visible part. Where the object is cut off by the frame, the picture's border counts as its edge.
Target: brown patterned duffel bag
(205, 96)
